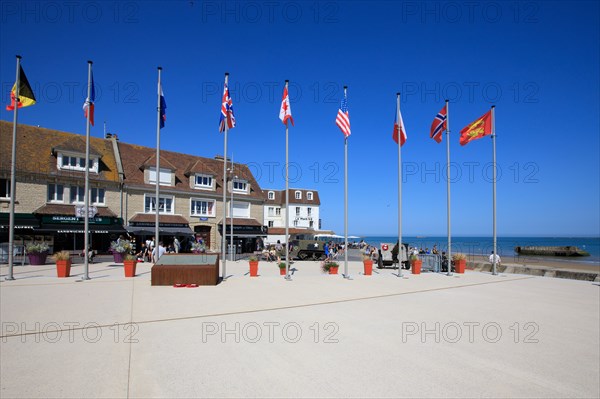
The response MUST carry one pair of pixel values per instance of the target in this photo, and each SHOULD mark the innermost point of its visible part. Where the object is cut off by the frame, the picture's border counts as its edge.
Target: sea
(483, 246)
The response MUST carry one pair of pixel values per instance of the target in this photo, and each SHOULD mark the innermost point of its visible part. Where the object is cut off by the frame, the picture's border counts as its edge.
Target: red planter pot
(63, 268)
(282, 271)
(37, 258)
(416, 266)
(253, 269)
(129, 266)
(368, 265)
(118, 257)
(460, 265)
(333, 270)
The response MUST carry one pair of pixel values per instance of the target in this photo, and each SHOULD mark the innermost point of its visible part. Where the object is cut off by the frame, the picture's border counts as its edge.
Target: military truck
(388, 256)
(306, 247)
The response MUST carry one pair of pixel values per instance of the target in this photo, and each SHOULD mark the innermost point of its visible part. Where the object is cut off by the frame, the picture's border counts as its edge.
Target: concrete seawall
(545, 271)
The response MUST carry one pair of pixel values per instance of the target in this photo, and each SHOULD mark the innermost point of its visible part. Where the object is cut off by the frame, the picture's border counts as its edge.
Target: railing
(431, 262)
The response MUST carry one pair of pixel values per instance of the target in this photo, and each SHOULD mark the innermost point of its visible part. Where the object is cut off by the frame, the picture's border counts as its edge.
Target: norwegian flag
(343, 117)
(285, 112)
(399, 128)
(439, 125)
(226, 112)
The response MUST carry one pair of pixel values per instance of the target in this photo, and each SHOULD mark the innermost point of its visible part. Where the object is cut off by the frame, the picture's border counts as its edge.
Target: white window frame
(270, 223)
(79, 192)
(55, 199)
(201, 185)
(298, 194)
(278, 211)
(271, 195)
(74, 162)
(210, 210)
(296, 223)
(309, 211)
(95, 199)
(309, 196)
(240, 182)
(297, 211)
(165, 176)
(271, 211)
(238, 205)
(5, 193)
(165, 198)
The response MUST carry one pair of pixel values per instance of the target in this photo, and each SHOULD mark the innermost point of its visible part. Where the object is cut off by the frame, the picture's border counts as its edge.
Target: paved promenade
(429, 335)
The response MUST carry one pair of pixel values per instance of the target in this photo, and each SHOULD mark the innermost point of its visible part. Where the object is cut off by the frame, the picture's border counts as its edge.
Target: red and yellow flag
(476, 130)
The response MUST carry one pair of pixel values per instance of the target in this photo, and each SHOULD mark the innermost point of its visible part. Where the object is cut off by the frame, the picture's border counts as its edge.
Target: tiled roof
(280, 197)
(58, 209)
(151, 218)
(184, 166)
(36, 152)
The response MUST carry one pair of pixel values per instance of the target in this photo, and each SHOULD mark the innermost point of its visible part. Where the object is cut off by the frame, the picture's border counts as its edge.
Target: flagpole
(449, 271)
(494, 272)
(287, 200)
(86, 196)
(224, 228)
(399, 186)
(346, 275)
(231, 213)
(157, 193)
(13, 172)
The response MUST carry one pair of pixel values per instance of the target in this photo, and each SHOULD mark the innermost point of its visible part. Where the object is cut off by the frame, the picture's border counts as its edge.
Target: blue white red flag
(343, 117)
(88, 105)
(227, 120)
(439, 125)
(163, 108)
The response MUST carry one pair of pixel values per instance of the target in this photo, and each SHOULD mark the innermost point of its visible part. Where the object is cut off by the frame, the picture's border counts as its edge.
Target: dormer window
(271, 195)
(165, 176)
(298, 195)
(76, 162)
(240, 186)
(309, 195)
(203, 181)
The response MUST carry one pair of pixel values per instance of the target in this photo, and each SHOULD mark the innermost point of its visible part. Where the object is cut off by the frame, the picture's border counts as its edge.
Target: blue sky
(538, 62)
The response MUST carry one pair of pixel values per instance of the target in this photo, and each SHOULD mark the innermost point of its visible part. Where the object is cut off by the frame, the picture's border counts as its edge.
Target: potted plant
(63, 263)
(253, 261)
(282, 268)
(368, 265)
(129, 264)
(198, 247)
(415, 264)
(37, 252)
(330, 267)
(119, 248)
(460, 262)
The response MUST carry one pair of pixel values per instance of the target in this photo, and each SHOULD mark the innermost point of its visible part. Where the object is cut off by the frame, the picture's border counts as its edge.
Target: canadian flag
(285, 112)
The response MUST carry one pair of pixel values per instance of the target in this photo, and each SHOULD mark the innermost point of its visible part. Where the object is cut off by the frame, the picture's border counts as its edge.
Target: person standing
(495, 257)
(176, 245)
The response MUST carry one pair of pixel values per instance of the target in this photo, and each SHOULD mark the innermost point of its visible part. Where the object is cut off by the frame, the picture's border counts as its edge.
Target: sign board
(80, 211)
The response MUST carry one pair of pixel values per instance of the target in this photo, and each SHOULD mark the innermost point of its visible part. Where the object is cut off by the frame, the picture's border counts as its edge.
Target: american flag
(439, 125)
(343, 117)
(399, 128)
(226, 111)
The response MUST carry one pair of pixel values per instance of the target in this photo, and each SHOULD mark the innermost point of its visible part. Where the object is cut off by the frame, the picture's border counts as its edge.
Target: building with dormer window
(304, 212)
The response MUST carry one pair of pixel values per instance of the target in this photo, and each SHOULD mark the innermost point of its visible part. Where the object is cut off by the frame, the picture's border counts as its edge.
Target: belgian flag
(26, 96)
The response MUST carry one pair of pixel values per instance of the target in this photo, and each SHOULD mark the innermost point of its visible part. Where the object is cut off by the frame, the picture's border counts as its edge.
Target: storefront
(67, 231)
(248, 234)
(142, 226)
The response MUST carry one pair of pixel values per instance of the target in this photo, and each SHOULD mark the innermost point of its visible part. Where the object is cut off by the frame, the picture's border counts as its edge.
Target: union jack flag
(226, 111)
(439, 125)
